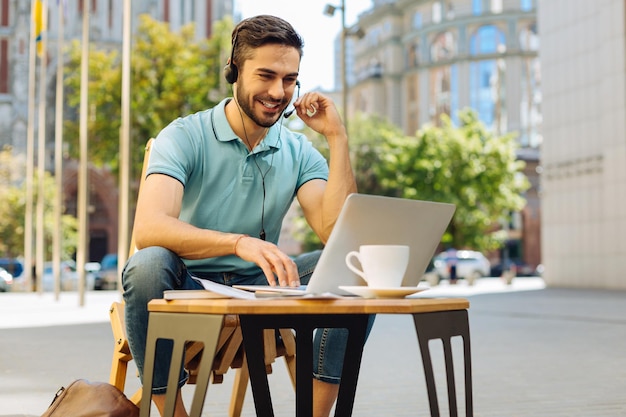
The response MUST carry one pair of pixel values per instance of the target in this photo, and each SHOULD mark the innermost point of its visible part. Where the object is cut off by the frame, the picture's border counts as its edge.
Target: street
(535, 352)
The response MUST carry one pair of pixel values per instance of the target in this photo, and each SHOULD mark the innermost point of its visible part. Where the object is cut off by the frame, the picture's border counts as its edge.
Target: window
(526, 5)
(443, 92)
(94, 4)
(487, 78)
(166, 10)
(496, 6)
(413, 55)
(4, 66)
(487, 93)
(450, 11)
(4, 13)
(528, 38)
(487, 40)
(417, 20)
(437, 12)
(443, 47)
(477, 7)
(530, 106)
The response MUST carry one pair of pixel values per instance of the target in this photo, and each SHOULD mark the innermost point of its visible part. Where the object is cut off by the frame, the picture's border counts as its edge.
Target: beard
(246, 104)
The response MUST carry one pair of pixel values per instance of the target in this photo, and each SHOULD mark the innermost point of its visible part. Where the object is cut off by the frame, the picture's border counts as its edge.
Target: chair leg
(136, 397)
(289, 342)
(121, 353)
(119, 368)
(240, 385)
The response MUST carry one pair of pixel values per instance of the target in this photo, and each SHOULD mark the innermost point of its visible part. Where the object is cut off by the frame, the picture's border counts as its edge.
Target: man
(219, 183)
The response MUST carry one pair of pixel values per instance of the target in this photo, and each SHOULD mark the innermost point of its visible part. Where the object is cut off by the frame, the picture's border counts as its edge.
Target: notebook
(375, 220)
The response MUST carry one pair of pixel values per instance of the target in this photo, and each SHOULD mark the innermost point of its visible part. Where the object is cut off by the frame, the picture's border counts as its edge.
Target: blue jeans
(153, 270)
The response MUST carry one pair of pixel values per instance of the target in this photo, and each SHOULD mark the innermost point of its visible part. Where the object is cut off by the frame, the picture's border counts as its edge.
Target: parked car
(69, 277)
(466, 262)
(106, 277)
(15, 267)
(6, 280)
(12, 266)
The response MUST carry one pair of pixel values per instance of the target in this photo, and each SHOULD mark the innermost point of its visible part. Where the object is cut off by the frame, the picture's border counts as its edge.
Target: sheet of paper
(225, 289)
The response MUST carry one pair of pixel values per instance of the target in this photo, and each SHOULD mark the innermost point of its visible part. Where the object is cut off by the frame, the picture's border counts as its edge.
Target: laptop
(375, 220)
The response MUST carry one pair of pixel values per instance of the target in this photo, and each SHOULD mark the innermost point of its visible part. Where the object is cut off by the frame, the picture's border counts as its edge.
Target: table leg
(180, 328)
(444, 325)
(252, 332)
(351, 367)
(252, 328)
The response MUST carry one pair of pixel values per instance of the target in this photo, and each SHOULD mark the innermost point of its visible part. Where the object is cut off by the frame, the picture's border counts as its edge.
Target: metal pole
(41, 152)
(30, 155)
(344, 80)
(123, 227)
(58, 156)
(83, 220)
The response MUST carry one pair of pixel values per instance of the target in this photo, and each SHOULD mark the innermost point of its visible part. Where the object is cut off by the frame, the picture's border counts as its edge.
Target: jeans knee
(151, 271)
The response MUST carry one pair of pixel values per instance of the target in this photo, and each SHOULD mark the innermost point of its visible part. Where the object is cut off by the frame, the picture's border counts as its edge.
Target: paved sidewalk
(21, 310)
(535, 351)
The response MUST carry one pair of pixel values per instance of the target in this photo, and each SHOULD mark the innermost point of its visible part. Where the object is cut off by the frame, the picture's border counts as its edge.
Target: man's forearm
(341, 182)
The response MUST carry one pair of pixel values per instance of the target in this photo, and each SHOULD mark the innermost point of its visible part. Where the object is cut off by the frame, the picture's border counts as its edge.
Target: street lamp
(329, 10)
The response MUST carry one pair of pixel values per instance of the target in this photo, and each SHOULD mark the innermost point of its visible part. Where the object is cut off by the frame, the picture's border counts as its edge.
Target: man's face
(266, 83)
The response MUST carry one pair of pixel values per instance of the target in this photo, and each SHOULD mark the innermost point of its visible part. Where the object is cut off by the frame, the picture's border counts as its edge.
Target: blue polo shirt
(224, 181)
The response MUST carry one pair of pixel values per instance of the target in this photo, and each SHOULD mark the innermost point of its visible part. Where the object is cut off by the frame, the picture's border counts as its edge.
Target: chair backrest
(146, 157)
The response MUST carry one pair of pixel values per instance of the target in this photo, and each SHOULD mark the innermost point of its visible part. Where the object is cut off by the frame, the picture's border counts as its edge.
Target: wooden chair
(229, 352)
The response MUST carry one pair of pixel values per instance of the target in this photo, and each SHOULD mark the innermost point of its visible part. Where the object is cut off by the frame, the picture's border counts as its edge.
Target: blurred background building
(419, 59)
(583, 155)
(414, 60)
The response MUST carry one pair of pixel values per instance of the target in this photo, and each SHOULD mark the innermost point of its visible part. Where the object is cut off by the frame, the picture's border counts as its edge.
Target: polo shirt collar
(226, 134)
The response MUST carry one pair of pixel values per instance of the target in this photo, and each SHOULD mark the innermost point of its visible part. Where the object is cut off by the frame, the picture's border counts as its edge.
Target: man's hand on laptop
(279, 269)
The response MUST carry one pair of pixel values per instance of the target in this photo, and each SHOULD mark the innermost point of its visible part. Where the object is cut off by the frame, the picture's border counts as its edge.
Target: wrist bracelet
(237, 242)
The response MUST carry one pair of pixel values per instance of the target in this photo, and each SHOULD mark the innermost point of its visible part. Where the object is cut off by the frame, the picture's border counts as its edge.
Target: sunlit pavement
(536, 352)
(28, 309)
(20, 309)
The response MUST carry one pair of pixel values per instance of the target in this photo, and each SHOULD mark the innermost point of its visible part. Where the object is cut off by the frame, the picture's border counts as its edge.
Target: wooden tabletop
(289, 305)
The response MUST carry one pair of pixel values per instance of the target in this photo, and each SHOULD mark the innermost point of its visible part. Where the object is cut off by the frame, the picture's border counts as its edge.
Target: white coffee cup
(383, 266)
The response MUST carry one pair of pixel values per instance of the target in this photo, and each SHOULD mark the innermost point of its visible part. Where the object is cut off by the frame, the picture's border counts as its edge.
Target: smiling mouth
(270, 106)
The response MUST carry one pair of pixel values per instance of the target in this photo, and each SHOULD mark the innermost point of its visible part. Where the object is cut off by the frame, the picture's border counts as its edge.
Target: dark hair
(261, 30)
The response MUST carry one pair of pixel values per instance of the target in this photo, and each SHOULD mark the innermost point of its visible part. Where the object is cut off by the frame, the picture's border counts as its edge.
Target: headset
(231, 73)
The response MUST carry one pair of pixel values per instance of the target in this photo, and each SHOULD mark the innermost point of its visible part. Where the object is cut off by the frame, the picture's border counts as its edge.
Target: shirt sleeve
(314, 165)
(171, 153)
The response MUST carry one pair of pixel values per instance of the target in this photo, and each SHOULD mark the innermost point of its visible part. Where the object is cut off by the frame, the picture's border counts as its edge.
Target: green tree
(467, 166)
(13, 209)
(173, 74)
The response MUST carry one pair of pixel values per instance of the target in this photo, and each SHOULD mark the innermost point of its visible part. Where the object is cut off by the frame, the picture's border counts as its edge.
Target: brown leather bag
(93, 399)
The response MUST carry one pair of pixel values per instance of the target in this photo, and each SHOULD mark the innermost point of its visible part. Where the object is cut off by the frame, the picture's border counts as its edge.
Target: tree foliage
(468, 166)
(13, 213)
(172, 75)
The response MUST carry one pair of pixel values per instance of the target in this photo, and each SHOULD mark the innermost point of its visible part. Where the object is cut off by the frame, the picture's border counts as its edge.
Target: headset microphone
(288, 113)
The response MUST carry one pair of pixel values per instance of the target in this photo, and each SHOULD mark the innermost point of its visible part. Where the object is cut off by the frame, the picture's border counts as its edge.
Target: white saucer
(394, 292)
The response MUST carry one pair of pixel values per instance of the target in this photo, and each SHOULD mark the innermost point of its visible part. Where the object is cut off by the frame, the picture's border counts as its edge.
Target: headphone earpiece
(230, 72)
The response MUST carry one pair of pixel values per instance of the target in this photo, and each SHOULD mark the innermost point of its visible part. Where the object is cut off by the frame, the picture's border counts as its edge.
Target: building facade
(583, 154)
(420, 59)
(105, 32)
